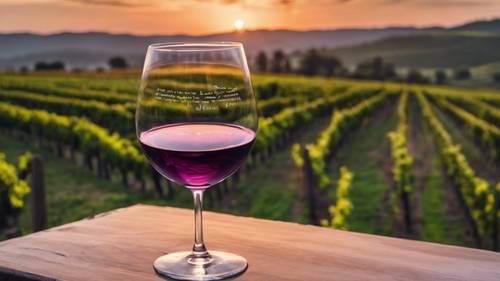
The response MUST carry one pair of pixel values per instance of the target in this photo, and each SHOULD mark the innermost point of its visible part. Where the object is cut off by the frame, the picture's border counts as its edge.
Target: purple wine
(197, 155)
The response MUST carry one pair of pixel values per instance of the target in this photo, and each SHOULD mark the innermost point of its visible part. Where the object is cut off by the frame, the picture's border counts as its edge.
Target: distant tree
(261, 61)
(99, 69)
(310, 62)
(117, 63)
(40, 66)
(462, 74)
(288, 66)
(378, 68)
(416, 77)
(57, 65)
(496, 77)
(440, 76)
(375, 69)
(278, 61)
(24, 69)
(330, 66)
(315, 62)
(54, 66)
(343, 72)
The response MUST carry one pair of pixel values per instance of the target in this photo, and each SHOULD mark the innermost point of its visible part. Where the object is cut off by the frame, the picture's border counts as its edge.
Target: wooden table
(122, 245)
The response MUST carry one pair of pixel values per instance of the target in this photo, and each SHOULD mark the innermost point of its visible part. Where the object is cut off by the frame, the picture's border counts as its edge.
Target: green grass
(437, 225)
(429, 182)
(433, 217)
(363, 153)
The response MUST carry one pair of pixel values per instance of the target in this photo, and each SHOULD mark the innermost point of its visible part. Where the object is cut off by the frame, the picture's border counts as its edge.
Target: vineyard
(384, 158)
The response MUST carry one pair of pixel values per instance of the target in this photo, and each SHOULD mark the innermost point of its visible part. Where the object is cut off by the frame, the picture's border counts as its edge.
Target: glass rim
(194, 46)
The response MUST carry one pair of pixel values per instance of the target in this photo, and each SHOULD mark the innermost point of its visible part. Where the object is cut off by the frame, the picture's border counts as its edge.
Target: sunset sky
(209, 16)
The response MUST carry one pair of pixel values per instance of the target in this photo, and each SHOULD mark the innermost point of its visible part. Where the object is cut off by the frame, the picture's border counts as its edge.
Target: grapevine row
(13, 190)
(267, 88)
(263, 90)
(343, 205)
(341, 123)
(488, 97)
(313, 157)
(115, 117)
(92, 140)
(107, 84)
(11, 187)
(402, 160)
(78, 134)
(47, 89)
(98, 83)
(477, 193)
(478, 108)
(485, 133)
(272, 129)
(272, 106)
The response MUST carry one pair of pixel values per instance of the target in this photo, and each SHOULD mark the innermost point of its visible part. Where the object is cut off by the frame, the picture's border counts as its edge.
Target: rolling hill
(25, 48)
(431, 50)
(469, 45)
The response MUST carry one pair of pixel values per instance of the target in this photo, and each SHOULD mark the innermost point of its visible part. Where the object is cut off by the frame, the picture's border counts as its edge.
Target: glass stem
(199, 249)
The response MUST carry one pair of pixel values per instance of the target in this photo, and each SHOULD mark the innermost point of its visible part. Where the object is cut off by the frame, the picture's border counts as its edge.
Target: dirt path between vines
(438, 213)
(366, 152)
(422, 149)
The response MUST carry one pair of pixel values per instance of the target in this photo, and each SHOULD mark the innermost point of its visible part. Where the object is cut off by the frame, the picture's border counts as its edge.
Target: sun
(239, 24)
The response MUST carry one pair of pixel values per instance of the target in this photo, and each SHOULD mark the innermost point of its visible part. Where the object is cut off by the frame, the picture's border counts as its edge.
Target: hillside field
(428, 50)
(420, 162)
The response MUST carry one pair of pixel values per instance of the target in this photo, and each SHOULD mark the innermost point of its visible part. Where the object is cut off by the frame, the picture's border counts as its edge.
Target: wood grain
(122, 245)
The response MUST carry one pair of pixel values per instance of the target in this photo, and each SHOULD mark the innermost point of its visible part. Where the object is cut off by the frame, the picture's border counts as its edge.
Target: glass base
(182, 266)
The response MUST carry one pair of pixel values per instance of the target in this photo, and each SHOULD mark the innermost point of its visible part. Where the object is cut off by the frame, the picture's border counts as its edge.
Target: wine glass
(196, 121)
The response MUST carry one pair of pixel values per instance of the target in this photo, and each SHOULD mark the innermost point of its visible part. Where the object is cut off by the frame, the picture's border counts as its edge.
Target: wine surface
(197, 155)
